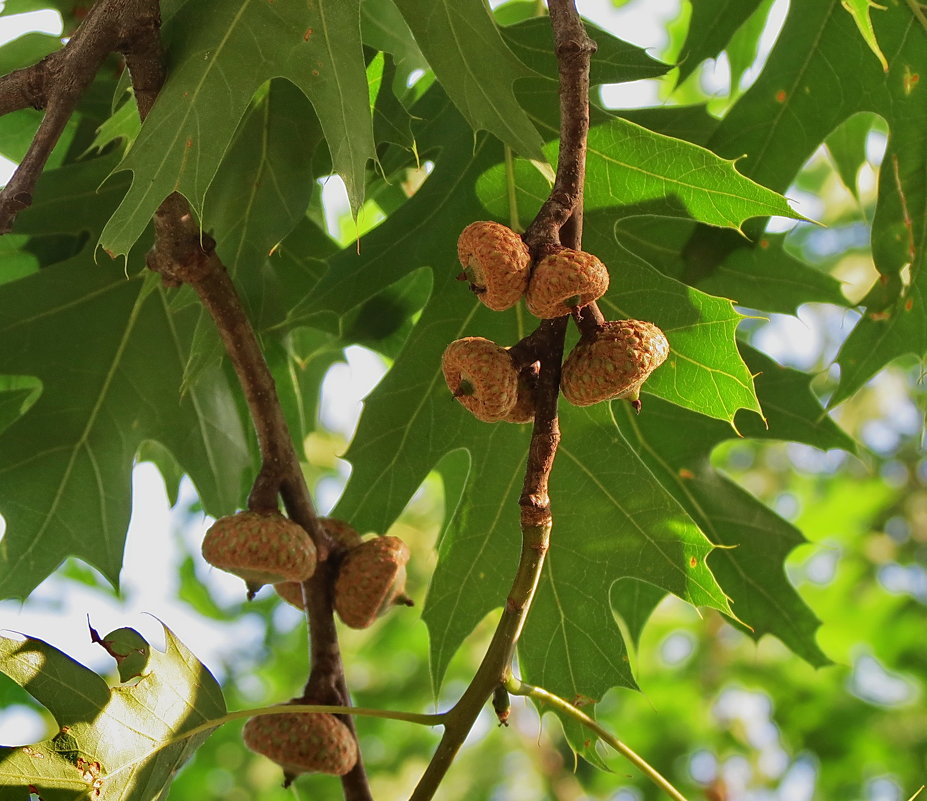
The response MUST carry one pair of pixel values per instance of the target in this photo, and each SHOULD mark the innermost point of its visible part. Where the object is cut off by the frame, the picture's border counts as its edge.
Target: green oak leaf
(93, 338)
(765, 276)
(615, 60)
(847, 147)
(221, 54)
(642, 171)
(756, 540)
(105, 745)
(261, 192)
(383, 28)
(713, 25)
(465, 49)
(819, 74)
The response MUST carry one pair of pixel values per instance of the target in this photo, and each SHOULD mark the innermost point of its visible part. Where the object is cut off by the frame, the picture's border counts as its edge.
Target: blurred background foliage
(722, 717)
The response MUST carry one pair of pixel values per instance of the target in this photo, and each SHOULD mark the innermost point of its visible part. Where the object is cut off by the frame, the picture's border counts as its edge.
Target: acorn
(303, 742)
(496, 262)
(261, 548)
(613, 363)
(371, 580)
(482, 376)
(564, 281)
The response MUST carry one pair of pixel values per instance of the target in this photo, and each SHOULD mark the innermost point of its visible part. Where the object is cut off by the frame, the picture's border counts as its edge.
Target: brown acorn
(345, 537)
(303, 742)
(371, 579)
(482, 376)
(261, 548)
(564, 281)
(613, 363)
(496, 262)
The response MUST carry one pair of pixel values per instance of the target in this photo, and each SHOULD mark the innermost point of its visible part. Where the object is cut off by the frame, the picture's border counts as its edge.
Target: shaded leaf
(712, 26)
(221, 54)
(819, 74)
(110, 382)
(847, 147)
(750, 567)
(476, 68)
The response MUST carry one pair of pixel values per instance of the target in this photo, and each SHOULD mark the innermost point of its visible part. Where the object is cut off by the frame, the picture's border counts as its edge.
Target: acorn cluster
(268, 548)
(610, 362)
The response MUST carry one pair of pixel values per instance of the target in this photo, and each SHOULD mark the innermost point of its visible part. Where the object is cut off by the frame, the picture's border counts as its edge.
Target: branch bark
(558, 224)
(57, 82)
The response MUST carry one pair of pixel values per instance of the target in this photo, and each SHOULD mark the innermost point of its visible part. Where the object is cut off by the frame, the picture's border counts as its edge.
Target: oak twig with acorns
(611, 360)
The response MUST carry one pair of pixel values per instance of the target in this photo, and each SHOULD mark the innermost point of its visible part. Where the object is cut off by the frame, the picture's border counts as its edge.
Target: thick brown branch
(558, 224)
(57, 82)
(182, 254)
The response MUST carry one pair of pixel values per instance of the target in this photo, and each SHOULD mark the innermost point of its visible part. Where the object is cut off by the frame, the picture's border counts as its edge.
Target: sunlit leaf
(106, 744)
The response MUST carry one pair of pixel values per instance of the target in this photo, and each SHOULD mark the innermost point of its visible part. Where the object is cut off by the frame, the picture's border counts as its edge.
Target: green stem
(517, 687)
(918, 10)
(514, 221)
(496, 662)
(282, 709)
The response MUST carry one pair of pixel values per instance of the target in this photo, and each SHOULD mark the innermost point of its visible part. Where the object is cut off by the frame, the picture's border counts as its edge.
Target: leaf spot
(308, 34)
(909, 80)
(693, 562)
(685, 473)
(781, 95)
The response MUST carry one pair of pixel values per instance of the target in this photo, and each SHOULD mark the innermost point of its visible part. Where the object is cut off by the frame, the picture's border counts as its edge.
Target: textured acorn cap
(260, 548)
(371, 579)
(303, 742)
(613, 363)
(345, 537)
(482, 376)
(563, 281)
(496, 262)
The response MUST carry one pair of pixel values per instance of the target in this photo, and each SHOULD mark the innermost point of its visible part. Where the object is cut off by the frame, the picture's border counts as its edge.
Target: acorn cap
(564, 281)
(303, 742)
(371, 579)
(496, 262)
(613, 363)
(261, 548)
(482, 376)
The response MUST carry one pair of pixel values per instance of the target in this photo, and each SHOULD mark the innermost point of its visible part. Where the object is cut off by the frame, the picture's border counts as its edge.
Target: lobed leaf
(221, 53)
(106, 738)
(475, 66)
(109, 356)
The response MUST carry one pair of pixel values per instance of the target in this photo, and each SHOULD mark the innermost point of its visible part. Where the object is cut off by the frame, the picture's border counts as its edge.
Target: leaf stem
(517, 687)
(514, 220)
(280, 709)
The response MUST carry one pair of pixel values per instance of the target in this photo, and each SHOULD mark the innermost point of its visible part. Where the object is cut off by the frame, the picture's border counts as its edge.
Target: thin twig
(57, 82)
(517, 687)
